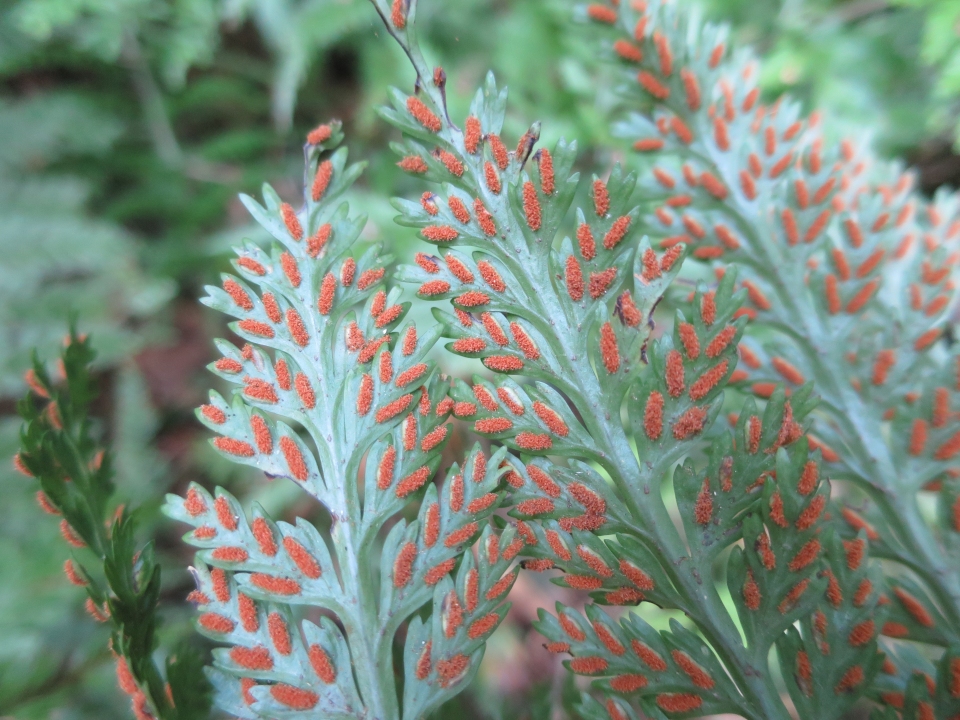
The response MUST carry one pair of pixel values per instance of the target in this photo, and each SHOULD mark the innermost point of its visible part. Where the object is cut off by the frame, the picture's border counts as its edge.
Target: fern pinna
(60, 448)
(573, 317)
(852, 271)
(346, 405)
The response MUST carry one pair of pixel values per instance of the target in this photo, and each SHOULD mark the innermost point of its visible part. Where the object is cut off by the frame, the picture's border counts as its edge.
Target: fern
(610, 461)
(369, 424)
(572, 320)
(122, 581)
(848, 273)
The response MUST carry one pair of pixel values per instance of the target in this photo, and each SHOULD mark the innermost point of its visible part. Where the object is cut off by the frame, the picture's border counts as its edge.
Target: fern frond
(58, 447)
(341, 397)
(571, 318)
(851, 270)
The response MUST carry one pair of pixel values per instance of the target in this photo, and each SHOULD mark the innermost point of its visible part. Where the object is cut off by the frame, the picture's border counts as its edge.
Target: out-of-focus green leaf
(144, 471)
(177, 33)
(58, 260)
(297, 32)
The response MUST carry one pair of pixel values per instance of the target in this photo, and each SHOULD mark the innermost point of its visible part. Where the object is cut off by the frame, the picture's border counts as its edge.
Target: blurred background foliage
(127, 128)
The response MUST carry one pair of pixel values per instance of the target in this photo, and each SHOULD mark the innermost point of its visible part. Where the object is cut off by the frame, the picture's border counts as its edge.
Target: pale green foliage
(347, 404)
(851, 281)
(607, 447)
(858, 61)
(605, 413)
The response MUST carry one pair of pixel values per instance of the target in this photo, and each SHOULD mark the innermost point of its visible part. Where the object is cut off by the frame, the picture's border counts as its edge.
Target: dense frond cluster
(849, 267)
(569, 318)
(612, 458)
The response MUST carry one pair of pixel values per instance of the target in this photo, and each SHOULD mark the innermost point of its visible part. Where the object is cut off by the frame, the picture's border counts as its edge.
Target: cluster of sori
(612, 464)
(850, 279)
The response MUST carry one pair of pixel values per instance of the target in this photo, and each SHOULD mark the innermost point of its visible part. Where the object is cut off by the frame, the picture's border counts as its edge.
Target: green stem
(718, 628)
(373, 670)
